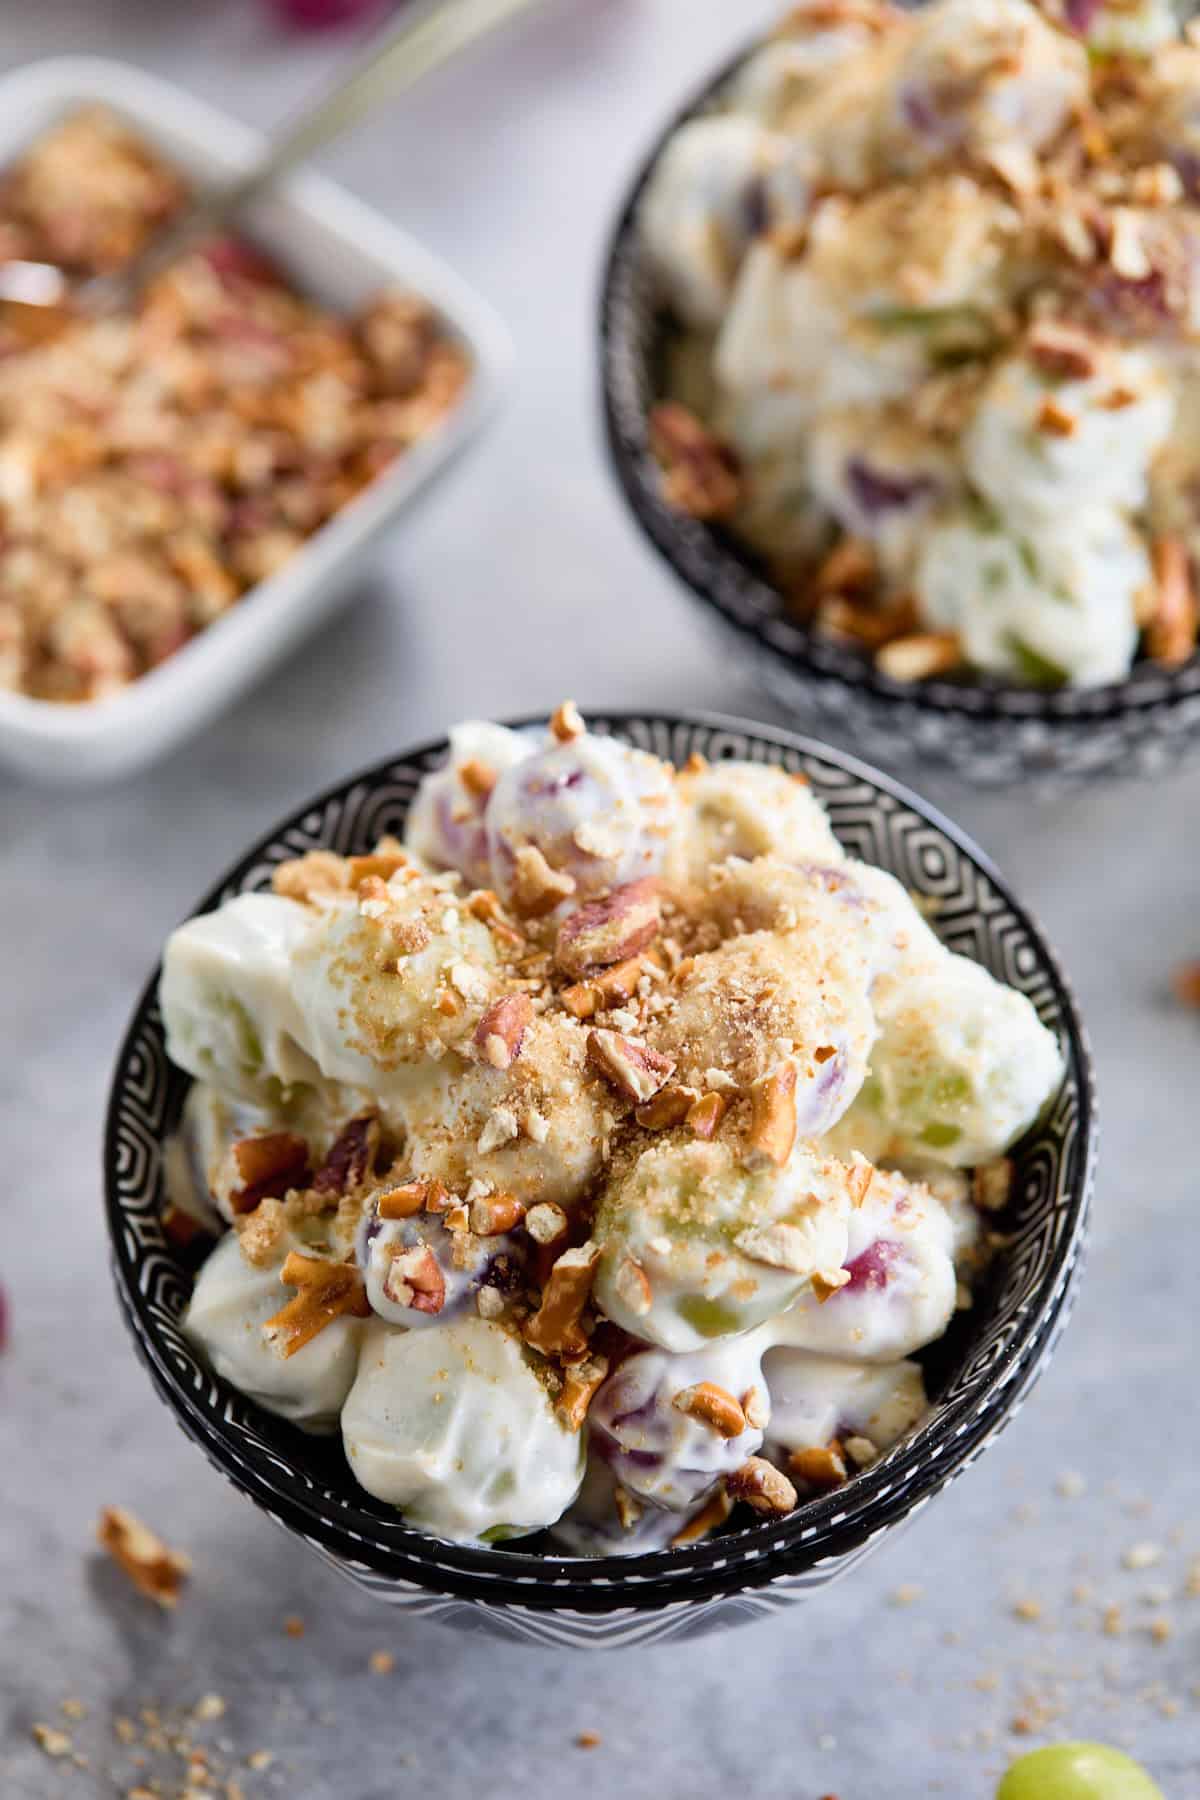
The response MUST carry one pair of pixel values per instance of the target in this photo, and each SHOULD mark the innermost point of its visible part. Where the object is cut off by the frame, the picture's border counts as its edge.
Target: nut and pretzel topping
(773, 1115)
(501, 1031)
(268, 1166)
(701, 474)
(612, 930)
(634, 1069)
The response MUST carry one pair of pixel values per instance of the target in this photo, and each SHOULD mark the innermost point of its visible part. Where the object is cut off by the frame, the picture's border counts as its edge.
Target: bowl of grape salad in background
(916, 435)
(553, 1587)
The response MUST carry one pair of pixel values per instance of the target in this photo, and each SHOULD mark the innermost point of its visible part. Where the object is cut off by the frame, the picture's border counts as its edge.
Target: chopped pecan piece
(701, 473)
(154, 1570)
(631, 1067)
(565, 724)
(762, 1486)
(706, 1113)
(492, 1214)
(820, 1467)
(501, 1031)
(351, 1158)
(414, 1279)
(714, 1406)
(582, 1381)
(1171, 632)
(773, 1116)
(537, 888)
(268, 1167)
(611, 930)
(1063, 350)
(485, 905)
(325, 1291)
(555, 1327)
(920, 655)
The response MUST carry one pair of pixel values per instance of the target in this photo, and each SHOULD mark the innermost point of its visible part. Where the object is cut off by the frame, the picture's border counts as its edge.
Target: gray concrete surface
(519, 582)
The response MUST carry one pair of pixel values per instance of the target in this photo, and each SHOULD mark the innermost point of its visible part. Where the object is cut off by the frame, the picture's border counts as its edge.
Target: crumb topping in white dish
(544, 1174)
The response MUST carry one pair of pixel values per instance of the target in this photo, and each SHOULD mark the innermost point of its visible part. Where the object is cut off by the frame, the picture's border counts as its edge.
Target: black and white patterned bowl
(988, 732)
(977, 1375)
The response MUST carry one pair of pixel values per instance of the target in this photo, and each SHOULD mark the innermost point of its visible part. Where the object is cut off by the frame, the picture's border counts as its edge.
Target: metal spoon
(39, 299)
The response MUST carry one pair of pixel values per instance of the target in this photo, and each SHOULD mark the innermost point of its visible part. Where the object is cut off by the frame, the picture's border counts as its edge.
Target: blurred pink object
(319, 15)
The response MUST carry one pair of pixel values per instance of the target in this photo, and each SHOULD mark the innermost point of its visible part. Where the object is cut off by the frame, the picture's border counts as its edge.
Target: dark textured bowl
(978, 1374)
(988, 732)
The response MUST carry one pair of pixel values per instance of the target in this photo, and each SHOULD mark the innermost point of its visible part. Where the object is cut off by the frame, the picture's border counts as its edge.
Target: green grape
(1077, 1772)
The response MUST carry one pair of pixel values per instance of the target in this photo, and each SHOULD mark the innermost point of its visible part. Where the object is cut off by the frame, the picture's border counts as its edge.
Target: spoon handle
(394, 61)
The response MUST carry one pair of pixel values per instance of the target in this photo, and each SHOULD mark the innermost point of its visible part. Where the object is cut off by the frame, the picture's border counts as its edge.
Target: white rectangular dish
(335, 249)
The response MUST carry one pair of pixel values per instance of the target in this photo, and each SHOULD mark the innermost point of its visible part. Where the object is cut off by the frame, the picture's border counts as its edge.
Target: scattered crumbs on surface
(1142, 1556)
(1081, 1593)
(1161, 1630)
(1070, 1485)
(1029, 1610)
(906, 1593)
(988, 1682)
(209, 1706)
(293, 1626)
(381, 1662)
(260, 1759)
(51, 1741)
(1112, 1624)
(72, 1708)
(588, 1740)
(1192, 1586)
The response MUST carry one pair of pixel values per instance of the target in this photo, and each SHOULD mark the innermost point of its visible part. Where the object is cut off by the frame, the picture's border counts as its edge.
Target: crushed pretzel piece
(412, 1197)
(850, 568)
(554, 1328)
(633, 1287)
(180, 1228)
(762, 1486)
(859, 1180)
(583, 1379)
(479, 778)
(566, 724)
(492, 1214)
(711, 1517)
(713, 1406)
(154, 1570)
(268, 1167)
(828, 1282)
(629, 1510)
(325, 1291)
(669, 1107)
(820, 1466)
(1054, 420)
(922, 654)
(773, 1116)
(991, 1184)
(705, 1114)
(1171, 632)
(537, 888)
(1062, 350)
(546, 1222)
(311, 878)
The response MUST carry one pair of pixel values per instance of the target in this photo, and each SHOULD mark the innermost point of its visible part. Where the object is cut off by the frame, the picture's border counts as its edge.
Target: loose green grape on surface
(1077, 1772)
